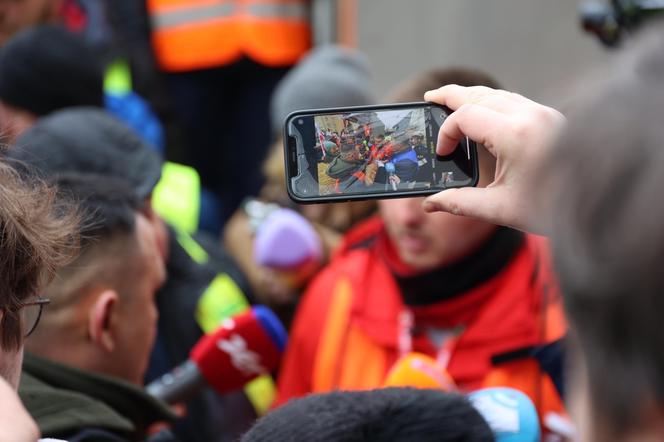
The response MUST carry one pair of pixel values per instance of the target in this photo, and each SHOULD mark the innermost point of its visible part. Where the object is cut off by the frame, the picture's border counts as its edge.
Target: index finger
(480, 124)
(455, 96)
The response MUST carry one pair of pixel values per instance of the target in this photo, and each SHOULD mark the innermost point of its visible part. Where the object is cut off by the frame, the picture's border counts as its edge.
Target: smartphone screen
(383, 151)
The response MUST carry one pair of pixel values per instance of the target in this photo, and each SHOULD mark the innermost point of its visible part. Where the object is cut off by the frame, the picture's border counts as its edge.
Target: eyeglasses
(31, 312)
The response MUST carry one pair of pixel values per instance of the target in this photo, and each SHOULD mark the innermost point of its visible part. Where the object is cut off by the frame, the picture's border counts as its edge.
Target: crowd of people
(375, 159)
(524, 309)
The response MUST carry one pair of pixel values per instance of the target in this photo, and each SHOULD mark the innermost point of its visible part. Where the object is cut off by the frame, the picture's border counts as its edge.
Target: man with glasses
(87, 359)
(204, 285)
(36, 237)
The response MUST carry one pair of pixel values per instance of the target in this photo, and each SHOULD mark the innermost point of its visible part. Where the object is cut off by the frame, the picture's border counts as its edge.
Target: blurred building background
(535, 47)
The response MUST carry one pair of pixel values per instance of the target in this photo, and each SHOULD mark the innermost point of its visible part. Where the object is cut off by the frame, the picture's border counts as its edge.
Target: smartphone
(372, 152)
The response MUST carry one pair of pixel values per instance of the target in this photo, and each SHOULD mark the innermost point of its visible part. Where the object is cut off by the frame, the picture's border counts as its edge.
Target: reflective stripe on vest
(221, 300)
(346, 358)
(199, 34)
(190, 14)
(279, 11)
(329, 349)
(177, 196)
(195, 251)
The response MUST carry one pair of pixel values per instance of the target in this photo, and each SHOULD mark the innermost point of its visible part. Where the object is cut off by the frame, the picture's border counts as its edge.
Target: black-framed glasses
(31, 312)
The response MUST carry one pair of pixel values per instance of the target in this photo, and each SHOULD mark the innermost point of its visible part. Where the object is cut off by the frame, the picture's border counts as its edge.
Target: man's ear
(100, 319)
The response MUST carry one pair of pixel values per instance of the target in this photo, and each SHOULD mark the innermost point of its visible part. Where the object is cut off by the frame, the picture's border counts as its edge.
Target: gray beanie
(329, 76)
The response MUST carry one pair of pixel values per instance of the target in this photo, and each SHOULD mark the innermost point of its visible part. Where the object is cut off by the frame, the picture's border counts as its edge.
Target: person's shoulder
(65, 400)
(59, 411)
(348, 265)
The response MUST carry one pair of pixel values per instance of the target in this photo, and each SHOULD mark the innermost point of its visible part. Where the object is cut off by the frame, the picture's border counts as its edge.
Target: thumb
(475, 202)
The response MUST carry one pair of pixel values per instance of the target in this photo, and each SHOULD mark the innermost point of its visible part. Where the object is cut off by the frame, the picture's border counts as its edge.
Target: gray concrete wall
(535, 47)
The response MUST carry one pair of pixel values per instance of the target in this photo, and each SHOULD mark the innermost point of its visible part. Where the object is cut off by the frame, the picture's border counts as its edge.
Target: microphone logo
(245, 360)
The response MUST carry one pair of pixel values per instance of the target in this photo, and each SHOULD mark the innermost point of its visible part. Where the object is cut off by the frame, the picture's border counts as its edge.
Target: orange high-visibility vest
(198, 34)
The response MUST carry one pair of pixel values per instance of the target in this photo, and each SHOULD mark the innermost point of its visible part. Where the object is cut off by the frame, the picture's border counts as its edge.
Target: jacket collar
(64, 400)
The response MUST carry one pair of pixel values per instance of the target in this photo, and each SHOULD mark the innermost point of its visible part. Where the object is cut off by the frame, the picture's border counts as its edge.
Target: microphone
(244, 347)
(511, 414)
(286, 240)
(391, 171)
(420, 371)
(287, 243)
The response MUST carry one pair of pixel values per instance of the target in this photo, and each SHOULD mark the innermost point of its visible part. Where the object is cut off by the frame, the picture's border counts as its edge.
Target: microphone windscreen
(272, 326)
(286, 240)
(510, 414)
(420, 371)
(242, 348)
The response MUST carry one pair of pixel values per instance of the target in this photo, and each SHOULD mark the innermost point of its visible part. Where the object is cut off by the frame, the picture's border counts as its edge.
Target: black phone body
(372, 152)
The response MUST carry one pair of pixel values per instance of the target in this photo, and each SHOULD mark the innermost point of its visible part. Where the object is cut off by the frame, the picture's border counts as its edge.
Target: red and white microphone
(242, 348)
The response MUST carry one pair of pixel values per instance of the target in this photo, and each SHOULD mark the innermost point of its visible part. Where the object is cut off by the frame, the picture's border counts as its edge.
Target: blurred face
(137, 314)
(426, 241)
(17, 15)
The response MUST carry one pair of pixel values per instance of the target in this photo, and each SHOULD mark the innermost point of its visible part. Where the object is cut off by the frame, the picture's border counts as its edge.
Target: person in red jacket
(477, 299)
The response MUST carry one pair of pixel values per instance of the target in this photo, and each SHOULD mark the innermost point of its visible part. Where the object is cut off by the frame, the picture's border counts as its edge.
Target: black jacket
(210, 417)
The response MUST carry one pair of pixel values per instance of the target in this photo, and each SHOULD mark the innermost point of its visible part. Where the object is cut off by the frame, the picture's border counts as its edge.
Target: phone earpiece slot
(292, 156)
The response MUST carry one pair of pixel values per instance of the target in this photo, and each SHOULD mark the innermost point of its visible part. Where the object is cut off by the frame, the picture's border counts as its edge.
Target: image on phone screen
(375, 152)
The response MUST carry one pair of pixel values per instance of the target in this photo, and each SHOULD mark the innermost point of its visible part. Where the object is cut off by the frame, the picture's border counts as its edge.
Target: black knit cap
(47, 68)
(88, 140)
(392, 414)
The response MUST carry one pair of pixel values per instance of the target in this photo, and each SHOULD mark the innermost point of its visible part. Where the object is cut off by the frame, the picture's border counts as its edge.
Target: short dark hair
(414, 87)
(107, 205)
(38, 234)
(392, 414)
(108, 209)
(606, 179)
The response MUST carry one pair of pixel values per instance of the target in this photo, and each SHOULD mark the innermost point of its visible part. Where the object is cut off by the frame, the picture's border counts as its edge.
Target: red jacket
(513, 310)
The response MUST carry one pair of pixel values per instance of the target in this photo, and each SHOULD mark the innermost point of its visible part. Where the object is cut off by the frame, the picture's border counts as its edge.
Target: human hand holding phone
(514, 129)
